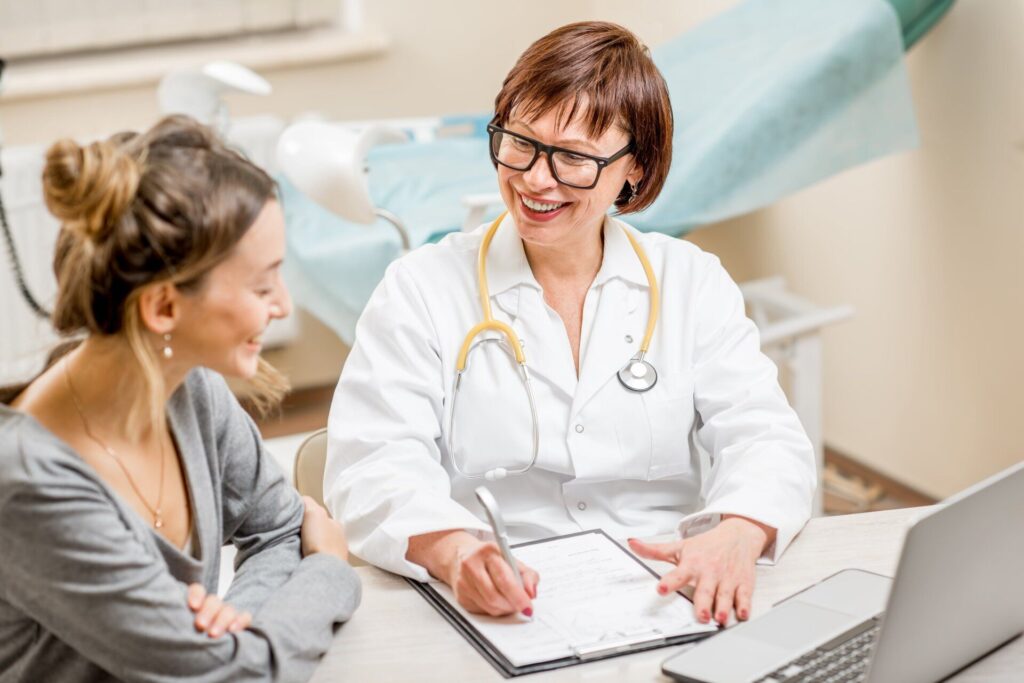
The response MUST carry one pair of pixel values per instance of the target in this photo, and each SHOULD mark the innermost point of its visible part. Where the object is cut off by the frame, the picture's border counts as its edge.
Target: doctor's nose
(540, 177)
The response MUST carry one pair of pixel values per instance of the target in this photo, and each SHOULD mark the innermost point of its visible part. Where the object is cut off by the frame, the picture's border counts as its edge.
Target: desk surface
(396, 636)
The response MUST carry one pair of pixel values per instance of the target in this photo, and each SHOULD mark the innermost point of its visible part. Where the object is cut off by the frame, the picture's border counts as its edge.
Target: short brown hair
(602, 72)
(165, 205)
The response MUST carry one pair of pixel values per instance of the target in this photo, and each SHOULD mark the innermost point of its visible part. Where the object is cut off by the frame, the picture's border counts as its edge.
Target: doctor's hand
(482, 581)
(719, 563)
(320, 533)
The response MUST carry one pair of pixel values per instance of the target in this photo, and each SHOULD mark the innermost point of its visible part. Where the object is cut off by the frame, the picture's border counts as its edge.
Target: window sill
(139, 67)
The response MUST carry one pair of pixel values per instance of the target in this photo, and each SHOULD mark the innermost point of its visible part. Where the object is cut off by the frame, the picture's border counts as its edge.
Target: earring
(627, 194)
(167, 350)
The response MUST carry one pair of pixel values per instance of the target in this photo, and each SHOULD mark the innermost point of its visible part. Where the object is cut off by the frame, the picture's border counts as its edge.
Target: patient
(127, 464)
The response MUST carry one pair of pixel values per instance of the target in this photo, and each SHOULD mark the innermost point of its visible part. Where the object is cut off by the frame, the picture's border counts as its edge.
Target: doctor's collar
(508, 267)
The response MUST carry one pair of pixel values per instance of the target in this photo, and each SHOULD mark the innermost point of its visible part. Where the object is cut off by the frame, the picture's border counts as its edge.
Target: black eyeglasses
(569, 167)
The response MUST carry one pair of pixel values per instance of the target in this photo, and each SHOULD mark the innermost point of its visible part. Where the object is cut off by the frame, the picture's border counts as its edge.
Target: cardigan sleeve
(70, 562)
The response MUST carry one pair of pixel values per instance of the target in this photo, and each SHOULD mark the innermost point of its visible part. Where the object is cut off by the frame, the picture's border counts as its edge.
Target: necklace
(158, 519)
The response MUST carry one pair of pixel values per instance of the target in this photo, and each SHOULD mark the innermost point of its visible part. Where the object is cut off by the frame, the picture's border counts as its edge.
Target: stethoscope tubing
(638, 375)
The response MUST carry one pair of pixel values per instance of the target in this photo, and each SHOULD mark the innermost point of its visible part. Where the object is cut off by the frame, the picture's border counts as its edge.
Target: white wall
(928, 245)
(925, 383)
(447, 57)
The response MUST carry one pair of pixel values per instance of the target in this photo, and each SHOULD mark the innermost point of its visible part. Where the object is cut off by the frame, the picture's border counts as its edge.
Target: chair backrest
(310, 461)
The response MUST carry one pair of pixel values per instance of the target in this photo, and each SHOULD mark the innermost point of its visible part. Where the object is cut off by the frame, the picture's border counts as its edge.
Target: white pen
(486, 499)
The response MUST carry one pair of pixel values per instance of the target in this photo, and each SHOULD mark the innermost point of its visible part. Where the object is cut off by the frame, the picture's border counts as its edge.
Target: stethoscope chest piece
(638, 375)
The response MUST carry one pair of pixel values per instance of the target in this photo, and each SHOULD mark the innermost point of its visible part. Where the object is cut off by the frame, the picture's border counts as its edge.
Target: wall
(928, 246)
(447, 56)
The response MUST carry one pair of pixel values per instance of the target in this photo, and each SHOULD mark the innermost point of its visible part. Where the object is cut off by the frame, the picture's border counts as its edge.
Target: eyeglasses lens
(518, 153)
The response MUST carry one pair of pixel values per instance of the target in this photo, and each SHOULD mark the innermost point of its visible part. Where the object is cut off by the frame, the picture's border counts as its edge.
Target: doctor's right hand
(482, 581)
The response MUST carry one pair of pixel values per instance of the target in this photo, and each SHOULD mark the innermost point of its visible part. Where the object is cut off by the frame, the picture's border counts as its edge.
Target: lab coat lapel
(615, 322)
(547, 351)
(617, 328)
(518, 300)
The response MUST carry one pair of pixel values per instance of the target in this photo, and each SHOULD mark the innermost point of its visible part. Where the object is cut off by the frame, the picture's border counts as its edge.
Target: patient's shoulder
(32, 456)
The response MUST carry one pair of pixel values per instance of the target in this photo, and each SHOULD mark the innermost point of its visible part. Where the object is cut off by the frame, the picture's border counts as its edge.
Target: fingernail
(214, 632)
(528, 611)
(662, 589)
(705, 616)
(743, 614)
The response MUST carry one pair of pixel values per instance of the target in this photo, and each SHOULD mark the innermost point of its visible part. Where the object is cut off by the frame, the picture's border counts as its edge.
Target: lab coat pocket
(670, 414)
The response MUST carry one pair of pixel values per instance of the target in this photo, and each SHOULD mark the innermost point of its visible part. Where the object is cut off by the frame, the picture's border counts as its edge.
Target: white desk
(397, 636)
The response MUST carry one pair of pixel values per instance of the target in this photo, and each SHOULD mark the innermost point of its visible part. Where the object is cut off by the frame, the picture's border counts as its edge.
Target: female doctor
(637, 355)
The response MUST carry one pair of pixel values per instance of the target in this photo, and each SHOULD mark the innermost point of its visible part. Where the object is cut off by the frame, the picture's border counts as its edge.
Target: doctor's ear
(631, 186)
(160, 307)
(635, 174)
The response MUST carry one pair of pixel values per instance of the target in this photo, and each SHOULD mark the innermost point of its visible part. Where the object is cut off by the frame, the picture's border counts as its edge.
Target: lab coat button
(579, 429)
(629, 339)
(581, 505)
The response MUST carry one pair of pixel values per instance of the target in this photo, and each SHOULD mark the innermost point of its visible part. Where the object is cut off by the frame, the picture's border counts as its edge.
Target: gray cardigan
(90, 592)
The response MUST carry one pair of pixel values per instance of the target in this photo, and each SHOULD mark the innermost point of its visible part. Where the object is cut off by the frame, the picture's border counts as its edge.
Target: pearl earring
(167, 350)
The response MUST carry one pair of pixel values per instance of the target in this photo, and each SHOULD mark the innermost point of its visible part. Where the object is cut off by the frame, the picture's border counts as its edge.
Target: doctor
(637, 351)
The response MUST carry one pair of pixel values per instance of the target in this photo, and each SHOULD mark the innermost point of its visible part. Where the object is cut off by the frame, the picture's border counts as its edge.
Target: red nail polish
(663, 590)
(528, 611)
(743, 614)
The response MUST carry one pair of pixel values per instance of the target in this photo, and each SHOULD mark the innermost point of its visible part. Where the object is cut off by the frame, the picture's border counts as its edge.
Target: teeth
(540, 206)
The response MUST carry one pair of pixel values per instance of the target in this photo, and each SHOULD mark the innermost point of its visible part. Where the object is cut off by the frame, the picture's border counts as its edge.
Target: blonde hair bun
(89, 188)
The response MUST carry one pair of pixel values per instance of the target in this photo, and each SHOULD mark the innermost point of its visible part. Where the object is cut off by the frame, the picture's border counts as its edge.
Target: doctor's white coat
(610, 458)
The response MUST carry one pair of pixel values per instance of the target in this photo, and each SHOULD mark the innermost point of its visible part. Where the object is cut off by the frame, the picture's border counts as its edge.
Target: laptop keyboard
(841, 660)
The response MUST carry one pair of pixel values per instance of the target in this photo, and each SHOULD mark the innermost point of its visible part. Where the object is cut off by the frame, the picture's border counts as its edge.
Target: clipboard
(602, 648)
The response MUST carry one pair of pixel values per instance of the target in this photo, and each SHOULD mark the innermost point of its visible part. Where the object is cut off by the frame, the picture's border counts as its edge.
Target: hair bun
(89, 188)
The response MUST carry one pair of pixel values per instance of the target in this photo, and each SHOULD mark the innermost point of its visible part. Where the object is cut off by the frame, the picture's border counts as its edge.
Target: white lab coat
(609, 458)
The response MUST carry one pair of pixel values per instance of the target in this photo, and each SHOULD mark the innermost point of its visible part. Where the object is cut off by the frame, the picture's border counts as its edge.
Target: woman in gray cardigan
(127, 464)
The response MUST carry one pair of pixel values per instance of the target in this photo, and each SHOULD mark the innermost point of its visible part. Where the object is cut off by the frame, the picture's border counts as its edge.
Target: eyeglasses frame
(539, 147)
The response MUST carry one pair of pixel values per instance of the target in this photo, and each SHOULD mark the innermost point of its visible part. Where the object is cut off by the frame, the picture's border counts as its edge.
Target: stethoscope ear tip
(496, 474)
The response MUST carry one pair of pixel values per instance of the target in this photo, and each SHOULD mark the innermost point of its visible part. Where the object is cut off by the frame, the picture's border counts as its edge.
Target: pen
(498, 527)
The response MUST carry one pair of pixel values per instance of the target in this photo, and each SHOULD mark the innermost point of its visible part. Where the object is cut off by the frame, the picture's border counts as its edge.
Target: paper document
(591, 592)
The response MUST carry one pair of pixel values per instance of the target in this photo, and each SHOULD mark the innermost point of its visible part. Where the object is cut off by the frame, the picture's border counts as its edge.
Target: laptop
(957, 595)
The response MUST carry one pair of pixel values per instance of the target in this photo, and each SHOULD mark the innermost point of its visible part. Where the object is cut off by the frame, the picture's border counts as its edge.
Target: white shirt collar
(507, 266)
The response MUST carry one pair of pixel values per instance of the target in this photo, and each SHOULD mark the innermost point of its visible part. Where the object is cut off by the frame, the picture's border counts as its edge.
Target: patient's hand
(719, 563)
(320, 533)
(213, 616)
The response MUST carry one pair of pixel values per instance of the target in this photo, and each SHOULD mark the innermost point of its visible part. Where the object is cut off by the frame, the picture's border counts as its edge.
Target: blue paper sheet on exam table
(769, 97)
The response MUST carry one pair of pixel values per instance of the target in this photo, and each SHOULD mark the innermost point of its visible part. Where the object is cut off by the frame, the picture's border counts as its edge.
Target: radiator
(25, 339)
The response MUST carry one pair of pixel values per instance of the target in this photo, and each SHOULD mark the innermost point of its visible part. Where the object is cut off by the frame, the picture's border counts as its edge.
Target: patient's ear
(160, 307)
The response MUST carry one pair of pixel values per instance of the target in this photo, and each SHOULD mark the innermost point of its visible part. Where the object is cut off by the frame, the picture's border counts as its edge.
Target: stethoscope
(636, 375)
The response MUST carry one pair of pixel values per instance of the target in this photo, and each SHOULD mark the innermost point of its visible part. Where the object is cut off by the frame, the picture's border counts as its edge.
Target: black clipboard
(506, 668)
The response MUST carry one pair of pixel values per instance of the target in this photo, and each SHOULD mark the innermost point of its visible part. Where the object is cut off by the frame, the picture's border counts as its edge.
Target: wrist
(439, 552)
(760, 534)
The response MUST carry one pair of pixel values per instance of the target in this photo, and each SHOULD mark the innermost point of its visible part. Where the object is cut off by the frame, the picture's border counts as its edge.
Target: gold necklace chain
(158, 519)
